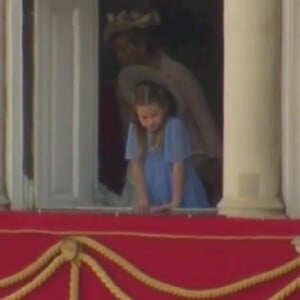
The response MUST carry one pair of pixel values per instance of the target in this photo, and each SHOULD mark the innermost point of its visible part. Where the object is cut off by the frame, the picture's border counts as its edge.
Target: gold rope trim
(37, 281)
(287, 291)
(188, 293)
(32, 269)
(104, 277)
(148, 235)
(71, 252)
(74, 281)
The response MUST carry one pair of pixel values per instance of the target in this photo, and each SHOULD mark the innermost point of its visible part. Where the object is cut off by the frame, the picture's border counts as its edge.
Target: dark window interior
(28, 86)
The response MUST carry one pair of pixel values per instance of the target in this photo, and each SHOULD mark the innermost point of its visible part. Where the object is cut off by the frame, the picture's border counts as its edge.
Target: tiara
(124, 21)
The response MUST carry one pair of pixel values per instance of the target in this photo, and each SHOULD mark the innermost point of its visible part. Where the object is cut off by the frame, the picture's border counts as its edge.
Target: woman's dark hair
(141, 36)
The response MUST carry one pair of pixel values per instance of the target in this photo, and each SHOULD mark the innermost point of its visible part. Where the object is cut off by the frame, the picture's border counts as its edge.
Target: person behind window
(132, 37)
(158, 150)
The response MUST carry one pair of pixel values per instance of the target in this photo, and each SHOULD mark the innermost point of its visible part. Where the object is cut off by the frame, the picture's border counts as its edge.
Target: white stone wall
(2, 101)
(291, 107)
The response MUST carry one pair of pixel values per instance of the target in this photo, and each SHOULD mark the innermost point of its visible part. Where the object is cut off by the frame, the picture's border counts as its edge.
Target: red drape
(193, 252)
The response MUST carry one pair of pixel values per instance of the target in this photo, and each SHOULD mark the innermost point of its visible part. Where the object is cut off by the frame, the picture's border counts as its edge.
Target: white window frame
(3, 197)
(291, 106)
(14, 102)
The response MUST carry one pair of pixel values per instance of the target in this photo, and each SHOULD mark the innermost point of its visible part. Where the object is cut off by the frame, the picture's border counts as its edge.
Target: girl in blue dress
(158, 150)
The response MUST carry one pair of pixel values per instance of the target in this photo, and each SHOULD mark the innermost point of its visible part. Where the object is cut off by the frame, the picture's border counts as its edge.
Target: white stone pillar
(290, 107)
(252, 61)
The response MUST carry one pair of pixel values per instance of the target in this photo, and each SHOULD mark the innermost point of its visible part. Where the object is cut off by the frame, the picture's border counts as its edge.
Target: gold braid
(38, 280)
(72, 253)
(74, 280)
(287, 290)
(33, 268)
(104, 277)
(183, 292)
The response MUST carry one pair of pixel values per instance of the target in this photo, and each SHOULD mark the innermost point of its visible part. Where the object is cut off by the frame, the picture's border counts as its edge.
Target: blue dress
(158, 166)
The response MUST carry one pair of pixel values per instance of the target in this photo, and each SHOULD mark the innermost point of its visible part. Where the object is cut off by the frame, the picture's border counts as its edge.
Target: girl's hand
(156, 209)
(164, 208)
(143, 205)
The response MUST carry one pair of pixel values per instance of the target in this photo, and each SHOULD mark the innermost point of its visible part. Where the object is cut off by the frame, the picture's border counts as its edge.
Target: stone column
(252, 80)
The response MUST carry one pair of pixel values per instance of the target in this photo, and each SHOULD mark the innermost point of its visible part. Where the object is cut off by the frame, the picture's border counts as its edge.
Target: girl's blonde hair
(147, 93)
